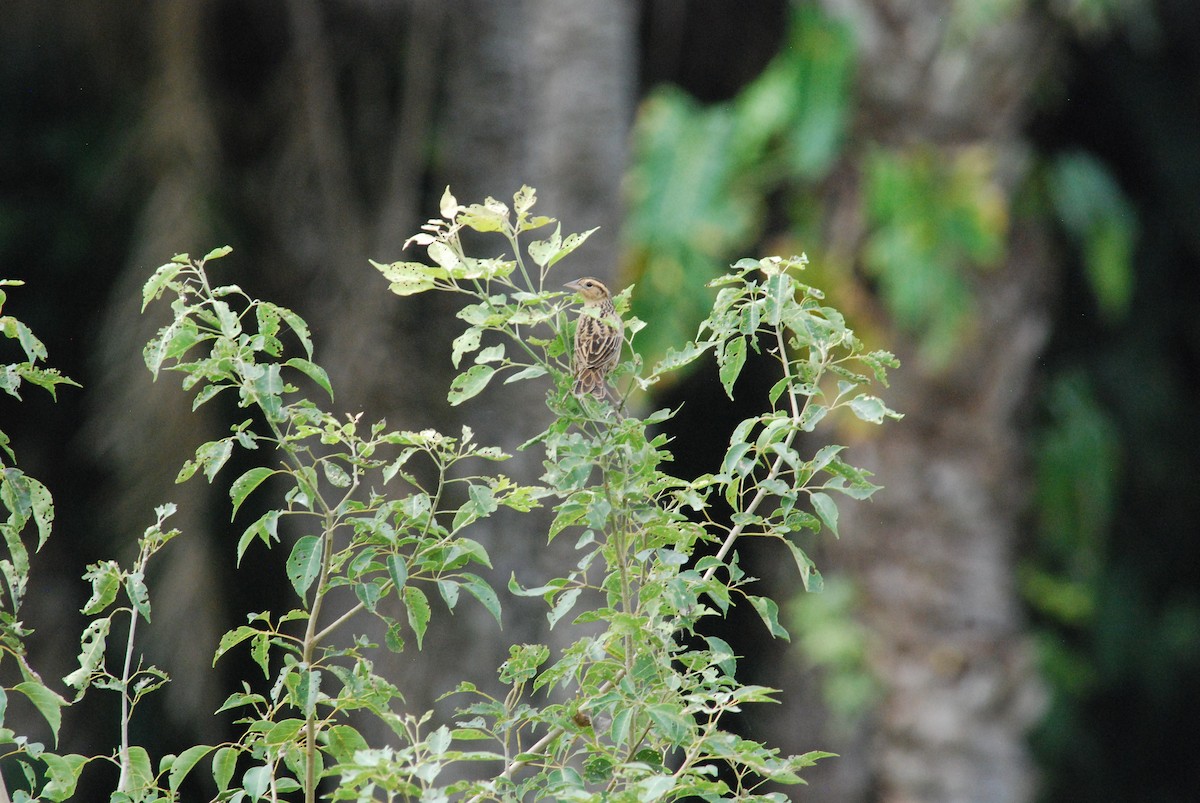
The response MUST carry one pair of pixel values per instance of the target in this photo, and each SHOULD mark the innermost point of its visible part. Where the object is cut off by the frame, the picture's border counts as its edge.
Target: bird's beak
(572, 285)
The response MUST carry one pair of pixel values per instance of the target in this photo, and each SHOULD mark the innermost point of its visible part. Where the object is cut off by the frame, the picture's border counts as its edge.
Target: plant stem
(553, 734)
(308, 648)
(776, 467)
(123, 781)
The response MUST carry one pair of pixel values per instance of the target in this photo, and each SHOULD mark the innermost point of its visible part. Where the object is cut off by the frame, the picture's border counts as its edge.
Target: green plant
(660, 697)
(27, 501)
(633, 711)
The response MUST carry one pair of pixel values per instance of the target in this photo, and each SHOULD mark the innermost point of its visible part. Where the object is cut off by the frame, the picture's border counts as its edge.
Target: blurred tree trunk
(539, 92)
(933, 553)
(140, 430)
(300, 133)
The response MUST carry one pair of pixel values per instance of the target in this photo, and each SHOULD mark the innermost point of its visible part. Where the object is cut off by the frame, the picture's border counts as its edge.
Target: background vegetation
(1005, 193)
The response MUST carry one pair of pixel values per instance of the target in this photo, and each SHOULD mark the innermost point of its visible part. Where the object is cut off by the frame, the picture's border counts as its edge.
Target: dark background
(129, 133)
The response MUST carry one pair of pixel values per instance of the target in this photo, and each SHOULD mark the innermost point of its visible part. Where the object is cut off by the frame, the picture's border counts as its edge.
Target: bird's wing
(596, 343)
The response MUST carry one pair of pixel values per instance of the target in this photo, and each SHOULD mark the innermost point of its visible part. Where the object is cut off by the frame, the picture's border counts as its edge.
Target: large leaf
(469, 383)
(184, 763)
(48, 704)
(245, 484)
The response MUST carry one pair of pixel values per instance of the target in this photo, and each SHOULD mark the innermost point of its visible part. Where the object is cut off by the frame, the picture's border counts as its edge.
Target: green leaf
(849, 480)
(184, 763)
(477, 587)
(678, 358)
(526, 373)
(336, 475)
(619, 730)
(737, 462)
(469, 383)
(158, 282)
(244, 485)
(304, 564)
(298, 326)
(206, 393)
(241, 700)
(808, 571)
(106, 582)
(540, 251)
(731, 362)
(232, 638)
(811, 415)
(417, 607)
(465, 343)
(398, 571)
(653, 788)
(448, 205)
(449, 591)
(490, 354)
(141, 772)
(410, 278)
(671, 722)
(259, 648)
(488, 216)
(308, 691)
(41, 505)
(314, 372)
(826, 508)
(768, 611)
(546, 253)
(91, 653)
(223, 765)
(265, 528)
(723, 656)
(1098, 216)
(871, 409)
(822, 50)
(34, 349)
(217, 253)
(824, 456)
(63, 772)
(48, 704)
(368, 594)
(563, 605)
(256, 781)
(231, 325)
(343, 742)
(212, 456)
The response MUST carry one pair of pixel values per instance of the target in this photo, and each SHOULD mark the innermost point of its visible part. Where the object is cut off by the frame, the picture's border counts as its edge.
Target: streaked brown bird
(598, 336)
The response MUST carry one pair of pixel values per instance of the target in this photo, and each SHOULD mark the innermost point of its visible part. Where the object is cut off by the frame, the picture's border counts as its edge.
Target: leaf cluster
(379, 523)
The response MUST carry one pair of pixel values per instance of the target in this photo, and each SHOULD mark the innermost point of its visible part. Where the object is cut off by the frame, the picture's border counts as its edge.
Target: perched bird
(598, 338)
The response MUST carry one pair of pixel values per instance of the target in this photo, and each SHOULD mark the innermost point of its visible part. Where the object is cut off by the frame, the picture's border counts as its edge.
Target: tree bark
(933, 553)
(539, 93)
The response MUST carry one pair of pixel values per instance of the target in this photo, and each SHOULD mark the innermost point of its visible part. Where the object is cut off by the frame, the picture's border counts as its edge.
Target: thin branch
(123, 781)
(776, 467)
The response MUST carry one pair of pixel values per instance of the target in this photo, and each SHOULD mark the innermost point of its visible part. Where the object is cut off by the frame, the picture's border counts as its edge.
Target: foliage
(27, 502)
(830, 637)
(931, 218)
(700, 176)
(634, 710)
(703, 180)
(1100, 221)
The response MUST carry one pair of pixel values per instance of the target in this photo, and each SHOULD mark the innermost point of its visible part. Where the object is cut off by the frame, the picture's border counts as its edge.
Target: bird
(598, 338)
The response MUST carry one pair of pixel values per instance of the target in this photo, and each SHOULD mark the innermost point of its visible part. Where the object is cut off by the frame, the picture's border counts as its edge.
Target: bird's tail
(591, 382)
